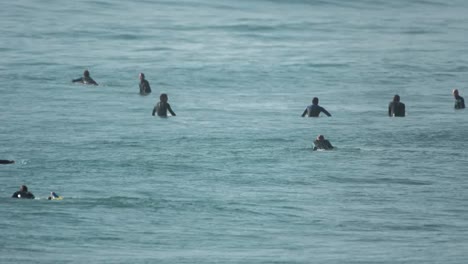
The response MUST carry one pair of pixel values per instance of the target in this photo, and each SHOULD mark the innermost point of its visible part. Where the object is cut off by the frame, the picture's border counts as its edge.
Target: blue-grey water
(233, 178)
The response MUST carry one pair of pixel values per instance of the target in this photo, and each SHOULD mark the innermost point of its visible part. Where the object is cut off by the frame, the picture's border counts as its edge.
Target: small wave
(275, 140)
(444, 74)
(155, 49)
(362, 5)
(327, 65)
(247, 28)
(432, 3)
(423, 227)
(202, 4)
(460, 69)
(401, 181)
(127, 36)
(115, 202)
(419, 32)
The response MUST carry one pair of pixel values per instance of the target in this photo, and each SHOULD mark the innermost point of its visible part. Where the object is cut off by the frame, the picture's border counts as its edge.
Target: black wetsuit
(396, 109)
(7, 161)
(314, 111)
(85, 80)
(23, 195)
(459, 102)
(161, 109)
(322, 144)
(145, 87)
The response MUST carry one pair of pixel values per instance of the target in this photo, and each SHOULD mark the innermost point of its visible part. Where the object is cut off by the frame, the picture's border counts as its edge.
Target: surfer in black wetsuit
(396, 108)
(459, 101)
(86, 79)
(314, 109)
(163, 106)
(7, 161)
(144, 85)
(23, 193)
(322, 143)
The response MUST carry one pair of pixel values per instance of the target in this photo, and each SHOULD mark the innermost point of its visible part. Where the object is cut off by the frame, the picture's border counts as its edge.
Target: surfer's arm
(170, 110)
(325, 111)
(316, 144)
(146, 87)
(305, 112)
(78, 80)
(91, 81)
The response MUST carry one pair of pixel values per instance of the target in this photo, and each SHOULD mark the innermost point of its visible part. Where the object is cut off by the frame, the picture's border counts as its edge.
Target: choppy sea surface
(233, 178)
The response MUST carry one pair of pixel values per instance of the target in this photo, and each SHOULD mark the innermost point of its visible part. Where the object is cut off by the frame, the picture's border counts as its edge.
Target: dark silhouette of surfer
(86, 79)
(322, 143)
(23, 193)
(396, 108)
(315, 109)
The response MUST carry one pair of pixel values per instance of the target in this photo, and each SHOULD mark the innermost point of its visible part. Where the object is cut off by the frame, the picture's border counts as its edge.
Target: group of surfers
(395, 109)
(161, 108)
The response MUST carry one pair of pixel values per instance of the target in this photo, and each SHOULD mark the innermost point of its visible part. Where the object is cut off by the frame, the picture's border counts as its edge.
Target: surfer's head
(396, 98)
(455, 92)
(315, 101)
(142, 76)
(163, 97)
(320, 137)
(23, 188)
(86, 73)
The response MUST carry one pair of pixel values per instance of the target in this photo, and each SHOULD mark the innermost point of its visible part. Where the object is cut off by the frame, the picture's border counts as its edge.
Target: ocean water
(233, 178)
